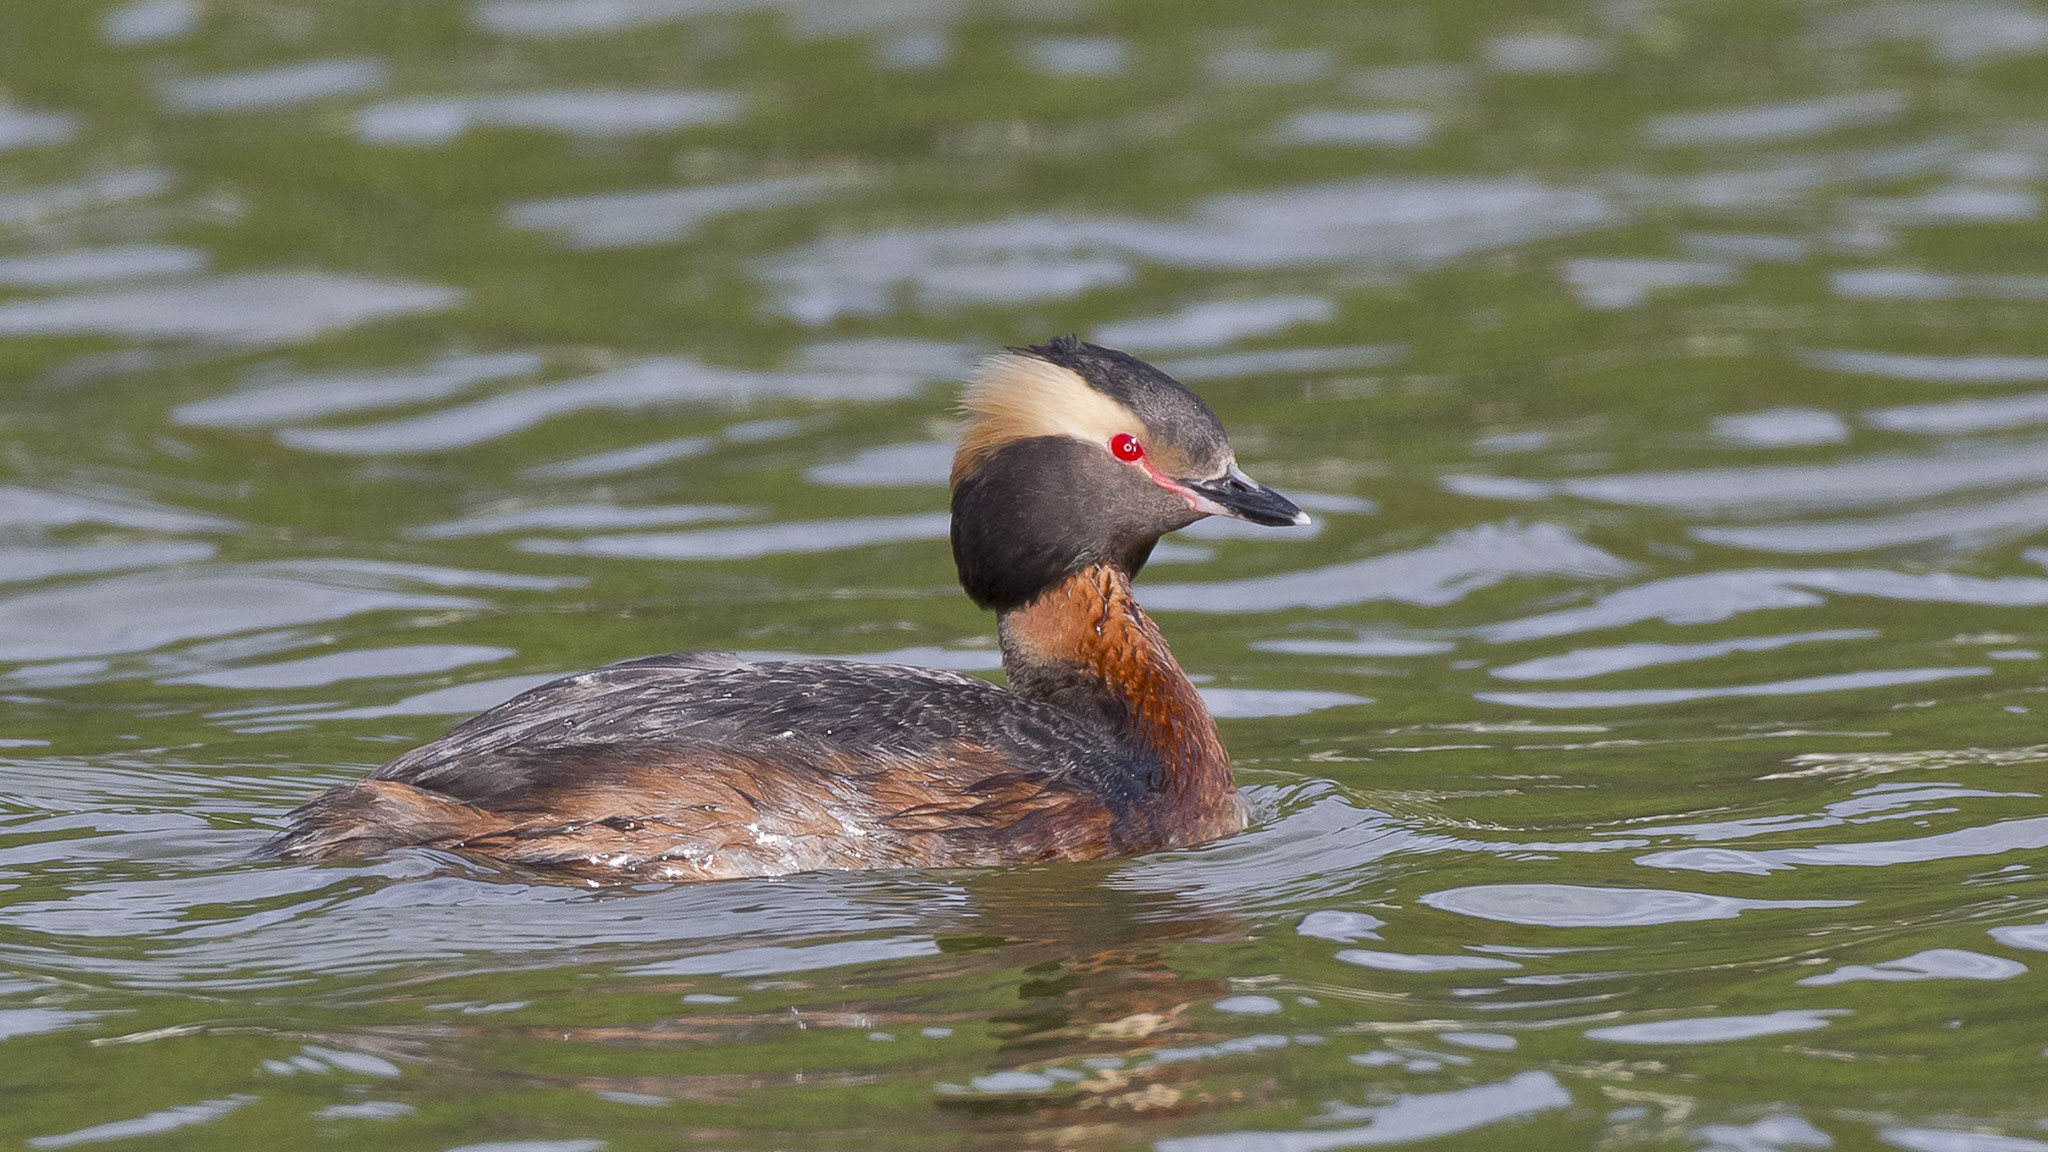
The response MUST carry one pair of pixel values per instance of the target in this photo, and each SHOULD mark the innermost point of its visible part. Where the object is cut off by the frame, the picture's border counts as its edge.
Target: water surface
(1646, 743)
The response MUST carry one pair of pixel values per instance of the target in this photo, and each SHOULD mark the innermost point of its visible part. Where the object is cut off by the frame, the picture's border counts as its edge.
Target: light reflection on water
(1645, 737)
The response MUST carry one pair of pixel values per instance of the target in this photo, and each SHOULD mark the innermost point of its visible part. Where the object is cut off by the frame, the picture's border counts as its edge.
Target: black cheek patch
(1007, 530)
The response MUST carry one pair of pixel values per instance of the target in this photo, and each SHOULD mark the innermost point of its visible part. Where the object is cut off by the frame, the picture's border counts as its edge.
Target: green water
(1646, 745)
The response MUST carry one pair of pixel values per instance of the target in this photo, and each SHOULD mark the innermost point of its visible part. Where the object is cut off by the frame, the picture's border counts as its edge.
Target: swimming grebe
(697, 766)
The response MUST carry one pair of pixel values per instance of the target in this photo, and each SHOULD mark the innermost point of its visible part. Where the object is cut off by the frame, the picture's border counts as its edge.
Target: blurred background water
(1647, 742)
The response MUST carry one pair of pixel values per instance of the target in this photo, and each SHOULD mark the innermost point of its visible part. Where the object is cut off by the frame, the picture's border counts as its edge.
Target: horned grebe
(699, 766)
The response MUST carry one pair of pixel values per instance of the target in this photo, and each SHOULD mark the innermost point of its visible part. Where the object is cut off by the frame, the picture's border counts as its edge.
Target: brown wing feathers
(714, 814)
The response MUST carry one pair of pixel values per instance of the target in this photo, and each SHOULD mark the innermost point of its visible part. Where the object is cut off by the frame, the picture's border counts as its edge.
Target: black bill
(1238, 495)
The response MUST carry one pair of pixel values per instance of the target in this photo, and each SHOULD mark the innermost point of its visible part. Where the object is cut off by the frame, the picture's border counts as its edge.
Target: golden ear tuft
(1015, 396)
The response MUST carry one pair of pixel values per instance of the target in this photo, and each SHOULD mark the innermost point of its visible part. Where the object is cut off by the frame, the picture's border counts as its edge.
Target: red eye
(1125, 447)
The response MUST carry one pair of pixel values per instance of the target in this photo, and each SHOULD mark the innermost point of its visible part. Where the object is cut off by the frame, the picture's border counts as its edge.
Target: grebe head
(1076, 455)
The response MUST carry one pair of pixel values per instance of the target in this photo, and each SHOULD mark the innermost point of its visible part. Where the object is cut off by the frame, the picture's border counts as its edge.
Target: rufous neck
(1086, 647)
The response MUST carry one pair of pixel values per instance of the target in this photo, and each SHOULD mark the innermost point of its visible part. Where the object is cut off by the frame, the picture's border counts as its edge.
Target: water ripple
(284, 86)
(1967, 525)
(1950, 1140)
(1644, 697)
(1718, 1029)
(245, 308)
(778, 539)
(655, 215)
(153, 1124)
(1933, 964)
(72, 267)
(1035, 258)
(1772, 123)
(149, 610)
(337, 667)
(1580, 906)
(649, 383)
(1405, 962)
(1851, 483)
(31, 507)
(1710, 597)
(1457, 565)
(41, 204)
(1961, 416)
(1583, 663)
(1422, 1116)
(149, 22)
(1216, 323)
(579, 517)
(331, 394)
(425, 121)
(2023, 835)
(1985, 369)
